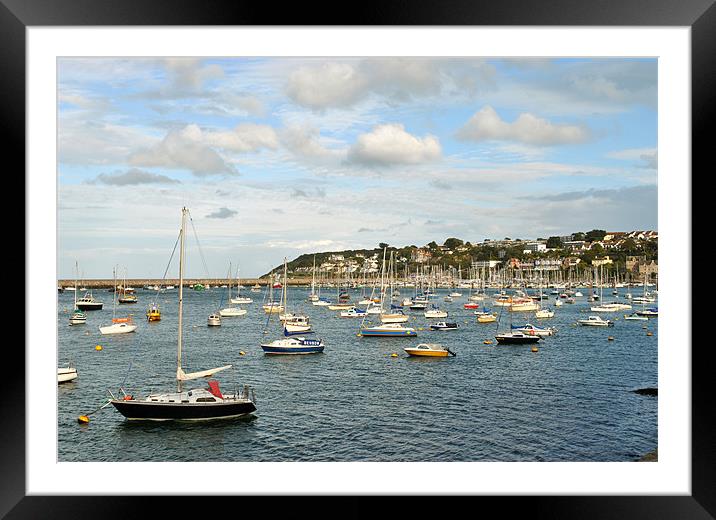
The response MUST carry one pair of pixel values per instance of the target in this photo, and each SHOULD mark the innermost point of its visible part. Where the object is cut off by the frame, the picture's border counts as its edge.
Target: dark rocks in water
(647, 391)
(652, 456)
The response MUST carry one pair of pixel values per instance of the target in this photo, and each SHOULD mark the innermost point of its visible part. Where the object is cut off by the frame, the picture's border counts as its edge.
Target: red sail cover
(214, 389)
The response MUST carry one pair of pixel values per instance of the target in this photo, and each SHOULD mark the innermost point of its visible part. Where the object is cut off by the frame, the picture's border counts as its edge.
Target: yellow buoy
(359, 334)
(534, 349)
(487, 342)
(241, 353)
(649, 334)
(394, 355)
(98, 347)
(83, 419)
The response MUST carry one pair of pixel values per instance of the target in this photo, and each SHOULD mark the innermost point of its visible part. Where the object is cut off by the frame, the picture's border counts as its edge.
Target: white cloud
(329, 85)
(397, 79)
(91, 141)
(305, 143)
(391, 144)
(133, 176)
(648, 156)
(183, 149)
(486, 124)
(247, 137)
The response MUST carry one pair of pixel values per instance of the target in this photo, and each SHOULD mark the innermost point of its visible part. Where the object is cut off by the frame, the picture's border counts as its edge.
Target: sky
(278, 157)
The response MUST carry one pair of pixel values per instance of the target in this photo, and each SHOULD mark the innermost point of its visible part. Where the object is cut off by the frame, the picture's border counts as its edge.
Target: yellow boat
(153, 313)
(486, 318)
(429, 350)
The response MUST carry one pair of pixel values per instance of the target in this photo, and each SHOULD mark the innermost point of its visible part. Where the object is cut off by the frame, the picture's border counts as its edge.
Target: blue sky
(283, 156)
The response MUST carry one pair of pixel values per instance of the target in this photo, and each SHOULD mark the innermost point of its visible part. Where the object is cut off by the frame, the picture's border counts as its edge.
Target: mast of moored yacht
(181, 293)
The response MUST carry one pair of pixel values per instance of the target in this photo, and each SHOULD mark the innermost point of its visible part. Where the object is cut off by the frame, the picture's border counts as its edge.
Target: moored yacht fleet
(383, 314)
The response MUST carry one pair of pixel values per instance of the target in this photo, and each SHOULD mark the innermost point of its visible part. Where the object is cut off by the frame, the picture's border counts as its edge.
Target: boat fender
(127, 398)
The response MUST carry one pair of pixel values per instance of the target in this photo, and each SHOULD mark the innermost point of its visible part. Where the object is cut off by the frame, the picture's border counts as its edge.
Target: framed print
(452, 170)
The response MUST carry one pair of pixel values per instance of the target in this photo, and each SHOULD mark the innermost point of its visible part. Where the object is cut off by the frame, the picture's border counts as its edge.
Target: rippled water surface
(570, 401)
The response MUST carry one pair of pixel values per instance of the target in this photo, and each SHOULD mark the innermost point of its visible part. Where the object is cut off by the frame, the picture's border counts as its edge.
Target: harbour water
(572, 400)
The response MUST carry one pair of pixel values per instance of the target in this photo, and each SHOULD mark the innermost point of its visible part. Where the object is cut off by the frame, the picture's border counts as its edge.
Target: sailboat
(126, 294)
(231, 311)
(385, 329)
(313, 297)
(289, 344)
(119, 325)
(78, 317)
(196, 404)
(271, 306)
(239, 298)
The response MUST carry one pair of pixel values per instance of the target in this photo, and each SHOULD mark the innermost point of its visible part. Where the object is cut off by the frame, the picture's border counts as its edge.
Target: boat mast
(181, 293)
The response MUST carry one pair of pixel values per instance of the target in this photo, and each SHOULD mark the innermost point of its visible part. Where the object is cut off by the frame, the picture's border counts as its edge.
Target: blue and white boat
(290, 345)
(388, 330)
(528, 328)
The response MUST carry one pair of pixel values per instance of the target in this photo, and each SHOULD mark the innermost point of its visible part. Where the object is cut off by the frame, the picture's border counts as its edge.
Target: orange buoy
(487, 342)
(83, 419)
(534, 349)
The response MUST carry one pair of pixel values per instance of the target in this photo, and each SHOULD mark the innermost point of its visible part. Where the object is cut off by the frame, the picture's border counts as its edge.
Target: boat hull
(517, 341)
(426, 353)
(388, 333)
(152, 411)
(90, 306)
(270, 349)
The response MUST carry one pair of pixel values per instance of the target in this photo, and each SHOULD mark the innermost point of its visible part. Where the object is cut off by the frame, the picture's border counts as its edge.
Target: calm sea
(570, 401)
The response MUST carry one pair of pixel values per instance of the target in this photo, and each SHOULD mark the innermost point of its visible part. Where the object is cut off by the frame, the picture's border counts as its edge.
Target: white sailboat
(231, 310)
(78, 317)
(239, 299)
(119, 325)
(196, 404)
(289, 344)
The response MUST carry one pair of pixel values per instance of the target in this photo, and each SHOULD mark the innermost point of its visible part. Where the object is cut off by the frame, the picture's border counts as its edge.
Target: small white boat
(558, 303)
(448, 299)
(635, 317)
(435, 312)
(388, 330)
(119, 326)
(321, 302)
(214, 320)
(442, 325)
(544, 313)
(353, 313)
(241, 299)
(596, 321)
(230, 312)
(455, 294)
(394, 317)
(66, 374)
(528, 328)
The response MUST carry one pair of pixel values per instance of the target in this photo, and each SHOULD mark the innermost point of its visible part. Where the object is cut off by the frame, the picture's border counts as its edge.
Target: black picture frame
(699, 15)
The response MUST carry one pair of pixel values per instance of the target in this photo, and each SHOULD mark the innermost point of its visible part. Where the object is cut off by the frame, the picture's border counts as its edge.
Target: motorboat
(353, 313)
(435, 312)
(486, 318)
(119, 326)
(443, 325)
(596, 321)
(517, 338)
(214, 320)
(429, 350)
(528, 328)
(635, 317)
(544, 313)
(66, 374)
(470, 305)
(153, 313)
(88, 303)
